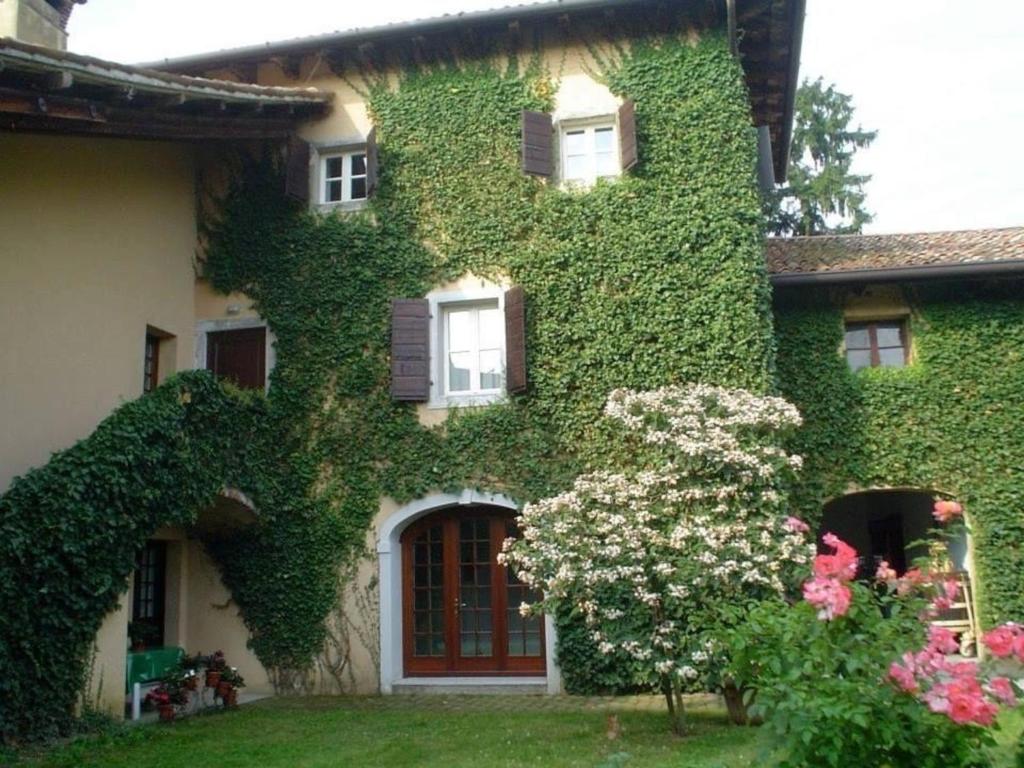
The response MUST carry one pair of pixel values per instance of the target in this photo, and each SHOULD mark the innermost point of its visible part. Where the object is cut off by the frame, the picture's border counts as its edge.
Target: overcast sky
(941, 80)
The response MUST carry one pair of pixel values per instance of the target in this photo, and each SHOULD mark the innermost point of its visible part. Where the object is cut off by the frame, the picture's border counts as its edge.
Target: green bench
(146, 668)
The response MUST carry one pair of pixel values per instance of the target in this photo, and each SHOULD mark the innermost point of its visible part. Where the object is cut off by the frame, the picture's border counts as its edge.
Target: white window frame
(322, 150)
(346, 178)
(440, 303)
(588, 126)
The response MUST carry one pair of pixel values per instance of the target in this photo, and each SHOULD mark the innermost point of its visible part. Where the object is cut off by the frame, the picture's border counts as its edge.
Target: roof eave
(970, 270)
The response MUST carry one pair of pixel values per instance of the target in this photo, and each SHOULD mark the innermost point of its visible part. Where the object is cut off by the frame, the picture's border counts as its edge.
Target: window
(881, 344)
(589, 153)
(150, 370)
(343, 177)
(474, 348)
(149, 593)
(238, 355)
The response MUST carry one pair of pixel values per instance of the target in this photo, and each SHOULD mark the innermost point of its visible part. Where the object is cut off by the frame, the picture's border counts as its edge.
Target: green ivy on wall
(949, 422)
(655, 278)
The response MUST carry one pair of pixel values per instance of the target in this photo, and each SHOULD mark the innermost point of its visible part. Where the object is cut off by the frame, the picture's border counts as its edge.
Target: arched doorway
(891, 525)
(460, 606)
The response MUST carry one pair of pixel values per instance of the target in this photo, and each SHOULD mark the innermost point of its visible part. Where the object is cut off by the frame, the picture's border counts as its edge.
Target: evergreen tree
(821, 195)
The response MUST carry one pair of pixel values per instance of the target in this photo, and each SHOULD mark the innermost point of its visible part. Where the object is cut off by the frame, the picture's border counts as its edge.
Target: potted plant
(187, 675)
(166, 698)
(214, 667)
(140, 633)
(230, 682)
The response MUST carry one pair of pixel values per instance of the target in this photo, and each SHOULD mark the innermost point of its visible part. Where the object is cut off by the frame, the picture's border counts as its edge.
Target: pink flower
(829, 595)
(885, 572)
(942, 640)
(1000, 641)
(842, 565)
(1018, 647)
(903, 677)
(796, 525)
(951, 588)
(944, 511)
(1002, 689)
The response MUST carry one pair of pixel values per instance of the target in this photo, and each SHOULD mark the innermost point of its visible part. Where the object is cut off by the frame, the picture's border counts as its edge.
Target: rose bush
(660, 559)
(838, 686)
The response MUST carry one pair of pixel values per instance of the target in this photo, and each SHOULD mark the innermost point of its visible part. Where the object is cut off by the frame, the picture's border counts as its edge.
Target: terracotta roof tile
(847, 253)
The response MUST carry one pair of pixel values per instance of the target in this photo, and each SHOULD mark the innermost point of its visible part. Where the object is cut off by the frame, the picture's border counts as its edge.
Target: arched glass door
(460, 607)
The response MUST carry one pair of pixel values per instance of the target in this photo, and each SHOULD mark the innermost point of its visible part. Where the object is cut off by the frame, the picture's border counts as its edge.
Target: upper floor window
(589, 152)
(343, 176)
(239, 355)
(474, 348)
(879, 344)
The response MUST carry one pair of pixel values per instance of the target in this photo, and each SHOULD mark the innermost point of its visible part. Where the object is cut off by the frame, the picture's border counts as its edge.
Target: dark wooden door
(460, 607)
(239, 356)
(149, 593)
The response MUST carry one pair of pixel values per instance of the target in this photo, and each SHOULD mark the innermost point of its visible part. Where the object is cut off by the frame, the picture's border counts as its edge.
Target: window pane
(575, 167)
(458, 371)
(492, 328)
(891, 357)
(858, 358)
(889, 334)
(857, 337)
(359, 189)
(333, 192)
(461, 332)
(490, 369)
(333, 168)
(604, 139)
(607, 164)
(575, 143)
(358, 165)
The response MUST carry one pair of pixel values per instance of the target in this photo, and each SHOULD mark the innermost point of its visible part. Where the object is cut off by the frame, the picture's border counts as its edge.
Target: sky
(942, 81)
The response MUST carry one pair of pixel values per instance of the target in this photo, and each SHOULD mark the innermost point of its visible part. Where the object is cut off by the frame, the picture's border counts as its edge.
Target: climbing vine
(950, 421)
(652, 279)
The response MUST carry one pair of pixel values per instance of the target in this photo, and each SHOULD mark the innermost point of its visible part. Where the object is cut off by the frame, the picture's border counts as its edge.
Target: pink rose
(1000, 641)
(903, 677)
(796, 525)
(885, 572)
(944, 511)
(842, 565)
(829, 595)
(942, 640)
(1002, 689)
(1018, 647)
(951, 588)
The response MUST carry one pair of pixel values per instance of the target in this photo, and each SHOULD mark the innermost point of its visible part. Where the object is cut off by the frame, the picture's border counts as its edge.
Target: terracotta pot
(212, 678)
(223, 689)
(166, 712)
(192, 683)
(231, 699)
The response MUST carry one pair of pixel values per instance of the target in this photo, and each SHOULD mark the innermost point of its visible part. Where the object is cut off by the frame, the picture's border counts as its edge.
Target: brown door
(460, 607)
(239, 356)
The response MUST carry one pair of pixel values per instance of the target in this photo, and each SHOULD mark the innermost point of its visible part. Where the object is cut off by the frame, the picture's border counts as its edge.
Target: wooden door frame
(452, 664)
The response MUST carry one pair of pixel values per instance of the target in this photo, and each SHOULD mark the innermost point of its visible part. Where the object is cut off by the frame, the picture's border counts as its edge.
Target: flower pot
(192, 683)
(166, 712)
(231, 699)
(212, 678)
(223, 689)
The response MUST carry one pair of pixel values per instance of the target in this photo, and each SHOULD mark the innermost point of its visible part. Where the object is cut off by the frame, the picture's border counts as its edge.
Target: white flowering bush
(658, 558)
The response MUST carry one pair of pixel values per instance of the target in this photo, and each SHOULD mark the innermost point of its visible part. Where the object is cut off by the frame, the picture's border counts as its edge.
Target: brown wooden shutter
(296, 179)
(410, 349)
(515, 339)
(537, 152)
(627, 135)
(371, 162)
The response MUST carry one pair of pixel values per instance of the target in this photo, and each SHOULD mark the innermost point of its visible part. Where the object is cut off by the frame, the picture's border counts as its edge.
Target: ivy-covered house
(435, 247)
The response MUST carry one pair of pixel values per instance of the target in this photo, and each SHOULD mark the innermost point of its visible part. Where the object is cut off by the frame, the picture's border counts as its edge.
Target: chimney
(40, 22)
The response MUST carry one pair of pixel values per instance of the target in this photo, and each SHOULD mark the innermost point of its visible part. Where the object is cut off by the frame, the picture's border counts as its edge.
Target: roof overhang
(46, 90)
(965, 271)
(769, 31)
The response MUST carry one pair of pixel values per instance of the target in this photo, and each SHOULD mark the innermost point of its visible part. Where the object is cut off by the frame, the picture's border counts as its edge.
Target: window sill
(466, 401)
(345, 207)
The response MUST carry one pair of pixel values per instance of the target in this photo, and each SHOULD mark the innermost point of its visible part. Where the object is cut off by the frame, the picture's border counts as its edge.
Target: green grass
(453, 732)
(309, 733)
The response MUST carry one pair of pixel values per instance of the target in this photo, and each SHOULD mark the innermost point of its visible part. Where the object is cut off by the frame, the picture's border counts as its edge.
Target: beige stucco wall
(200, 616)
(98, 237)
(32, 21)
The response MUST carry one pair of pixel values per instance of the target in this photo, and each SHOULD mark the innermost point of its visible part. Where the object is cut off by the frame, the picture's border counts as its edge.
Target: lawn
(438, 731)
